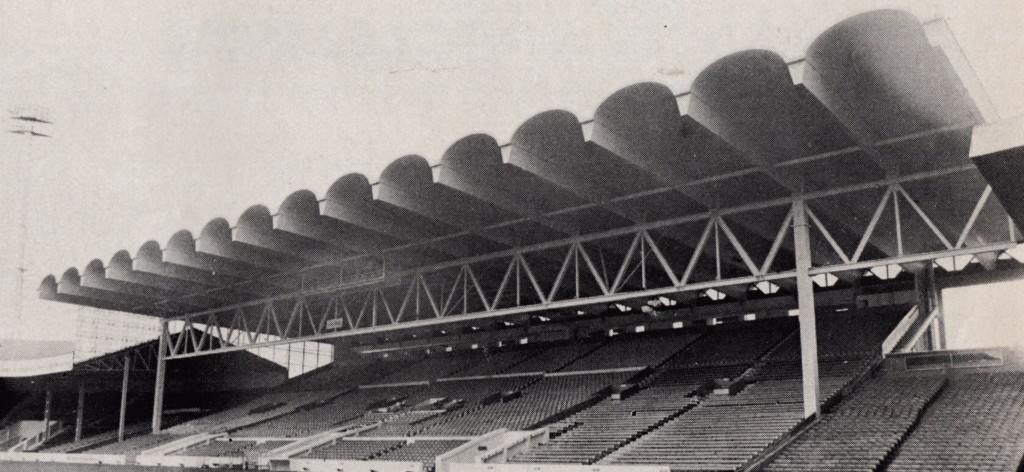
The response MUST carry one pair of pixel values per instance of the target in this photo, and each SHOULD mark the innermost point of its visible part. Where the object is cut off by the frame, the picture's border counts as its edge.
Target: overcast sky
(168, 114)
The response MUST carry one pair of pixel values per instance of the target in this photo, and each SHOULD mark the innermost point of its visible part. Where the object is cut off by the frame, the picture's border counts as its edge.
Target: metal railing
(901, 329)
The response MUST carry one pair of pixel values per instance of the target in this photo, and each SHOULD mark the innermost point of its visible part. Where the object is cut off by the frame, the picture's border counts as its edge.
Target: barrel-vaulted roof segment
(873, 99)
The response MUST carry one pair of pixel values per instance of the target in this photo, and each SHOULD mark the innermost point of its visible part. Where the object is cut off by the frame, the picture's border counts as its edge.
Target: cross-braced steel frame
(608, 267)
(662, 258)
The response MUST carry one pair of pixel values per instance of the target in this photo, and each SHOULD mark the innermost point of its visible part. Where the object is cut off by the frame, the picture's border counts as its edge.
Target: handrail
(921, 329)
(900, 330)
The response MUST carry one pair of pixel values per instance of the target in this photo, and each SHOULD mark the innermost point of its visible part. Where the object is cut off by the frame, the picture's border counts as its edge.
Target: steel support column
(161, 377)
(939, 325)
(124, 397)
(47, 413)
(929, 299)
(940, 319)
(805, 303)
(80, 413)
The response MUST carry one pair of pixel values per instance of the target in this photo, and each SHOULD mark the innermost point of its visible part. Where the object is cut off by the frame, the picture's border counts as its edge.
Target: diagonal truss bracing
(562, 275)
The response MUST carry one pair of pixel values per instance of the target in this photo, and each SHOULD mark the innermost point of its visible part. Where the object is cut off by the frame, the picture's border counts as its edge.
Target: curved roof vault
(872, 100)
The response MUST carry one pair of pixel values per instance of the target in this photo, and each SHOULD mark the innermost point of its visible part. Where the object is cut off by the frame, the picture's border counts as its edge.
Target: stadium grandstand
(748, 275)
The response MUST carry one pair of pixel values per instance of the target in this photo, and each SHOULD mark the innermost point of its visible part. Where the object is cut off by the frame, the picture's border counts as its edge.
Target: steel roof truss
(974, 218)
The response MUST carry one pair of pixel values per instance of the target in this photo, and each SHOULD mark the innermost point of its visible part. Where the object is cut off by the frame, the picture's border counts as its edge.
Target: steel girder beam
(144, 358)
(182, 250)
(457, 291)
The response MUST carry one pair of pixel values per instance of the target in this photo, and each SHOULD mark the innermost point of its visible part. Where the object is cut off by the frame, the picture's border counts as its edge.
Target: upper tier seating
(402, 424)
(977, 423)
(263, 408)
(850, 335)
(352, 374)
(433, 367)
(538, 402)
(778, 391)
(633, 351)
(319, 417)
(608, 425)
(554, 357)
(467, 393)
(351, 409)
(741, 343)
(793, 370)
(863, 429)
(98, 439)
(497, 362)
(693, 378)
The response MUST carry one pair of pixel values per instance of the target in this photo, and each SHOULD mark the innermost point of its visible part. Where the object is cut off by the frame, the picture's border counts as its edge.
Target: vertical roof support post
(940, 319)
(161, 377)
(80, 413)
(124, 396)
(805, 299)
(929, 299)
(935, 302)
(47, 414)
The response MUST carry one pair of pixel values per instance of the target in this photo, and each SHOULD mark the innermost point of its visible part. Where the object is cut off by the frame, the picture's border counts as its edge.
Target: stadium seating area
(432, 367)
(637, 352)
(498, 362)
(537, 402)
(976, 424)
(712, 438)
(135, 444)
(705, 398)
(97, 440)
(421, 451)
(592, 433)
(261, 409)
(354, 450)
(721, 432)
(862, 432)
(553, 358)
(230, 448)
(320, 416)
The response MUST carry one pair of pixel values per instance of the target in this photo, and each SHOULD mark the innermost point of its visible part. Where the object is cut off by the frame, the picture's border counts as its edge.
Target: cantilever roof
(873, 99)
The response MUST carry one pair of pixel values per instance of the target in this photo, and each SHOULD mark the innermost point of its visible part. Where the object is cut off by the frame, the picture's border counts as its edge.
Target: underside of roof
(874, 100)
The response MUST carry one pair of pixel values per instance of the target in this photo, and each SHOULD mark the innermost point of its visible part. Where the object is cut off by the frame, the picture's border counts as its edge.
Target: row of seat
(345, 449)
(424, 451)
(260, 409)
(632, 352)
(320, 417)
(593, 433)
(468, 407)
(734, 345)
(863, 430)
(96, 440)
(976, 424)
(631, 431)
(845, 335)
(421, 451)
(229, 448)
(537, 402)
(135, 444)
(711, 438)
(723, 432)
